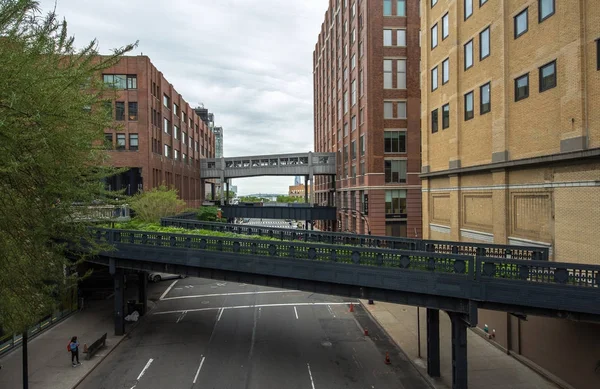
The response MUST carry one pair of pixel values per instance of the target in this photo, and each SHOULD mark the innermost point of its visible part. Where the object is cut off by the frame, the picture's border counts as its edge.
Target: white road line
(145, 368)
(250, 306)
(168, 290)
(330, 310)
(220, 314)
(296, 312)
(310, 374)
(228, 294)
(180, 318)
(198, 372)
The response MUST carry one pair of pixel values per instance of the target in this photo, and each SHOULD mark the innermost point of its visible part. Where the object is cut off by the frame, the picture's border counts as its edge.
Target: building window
(388, 110)
(120, 141)
(395, 141)
(131, 82)
(522, 87)
(445, 71)
(167, 126)
(362, 168)
(120, 81)
(482, 2)
(345, 102)
(133, 141)
(546, 8)
(521, 23)
(484, 44)
(395, 202)
(445, 26)
(133, 110)
(120, 110)
(353, 149)
(434, 78)
(353, 61)
(362, 145)
(401, 8)
(469, 54)
(433, 2)
(485, 104)
(402, 110)
(166, 153)
(387, 37)
(387, 7)
(401, 73)
(445, 116)
(345, 130)
(548, 76)
(166, 101)
(469, 112)
(395, 171)
(108, 141)
(353, 121)
(176, 155)
(387, 74)
(434, 36)
(345, 154)
(468, 8)
(354, 99)
(176, 131)
(434, 121)
(401, 38)
(361, 81)
(361, 116)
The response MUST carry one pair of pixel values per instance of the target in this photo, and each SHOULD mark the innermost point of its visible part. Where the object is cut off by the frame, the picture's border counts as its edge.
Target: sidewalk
(489, 367)
(50, 363)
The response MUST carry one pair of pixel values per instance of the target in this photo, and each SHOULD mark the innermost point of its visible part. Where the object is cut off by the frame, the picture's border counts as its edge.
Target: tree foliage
(51, 118)
(152, 205)
(289, 199)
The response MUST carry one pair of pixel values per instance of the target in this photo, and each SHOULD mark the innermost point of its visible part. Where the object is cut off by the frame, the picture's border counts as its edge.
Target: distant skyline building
(297, 180)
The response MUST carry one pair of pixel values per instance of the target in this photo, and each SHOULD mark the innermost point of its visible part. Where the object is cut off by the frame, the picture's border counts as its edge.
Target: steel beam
(459, 351)
(119, 278)
(143, 291)
(433, 342)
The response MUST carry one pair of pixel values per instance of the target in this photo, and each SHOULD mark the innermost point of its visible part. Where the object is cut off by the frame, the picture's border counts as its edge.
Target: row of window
(485, 106)
(132, 110)
(400, 8)
(120, 145)
(546, 8)
(120, 81)
(547, 80)
(174, 154)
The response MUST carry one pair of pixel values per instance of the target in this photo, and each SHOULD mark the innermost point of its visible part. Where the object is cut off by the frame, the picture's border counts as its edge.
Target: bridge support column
(433, 342)
(226, 192)
(119, 278)
(306, 198)
(143, 291)
(212, 191)
(459, 351)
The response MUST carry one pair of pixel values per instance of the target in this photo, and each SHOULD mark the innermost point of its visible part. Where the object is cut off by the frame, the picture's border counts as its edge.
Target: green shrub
(156, 203)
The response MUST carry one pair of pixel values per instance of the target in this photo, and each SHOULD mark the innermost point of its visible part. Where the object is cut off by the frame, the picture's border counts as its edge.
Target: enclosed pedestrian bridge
(297, 164)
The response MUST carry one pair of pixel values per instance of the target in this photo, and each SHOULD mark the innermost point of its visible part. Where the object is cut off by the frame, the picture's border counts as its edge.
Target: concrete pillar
(119, 279)
(143, 291)
(306, 198)
(227, 192)
(459, 351)
(212, 191)
(433, 342)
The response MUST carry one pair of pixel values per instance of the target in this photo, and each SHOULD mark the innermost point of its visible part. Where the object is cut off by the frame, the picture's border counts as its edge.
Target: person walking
(74, 348)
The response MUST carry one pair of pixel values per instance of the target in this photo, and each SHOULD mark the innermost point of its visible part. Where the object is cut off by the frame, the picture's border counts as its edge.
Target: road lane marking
(229, 294)
(198, 371)
(180, 318)
(296, 312)
(251, 306)
(142, 373)
(310, 374)
(168, 290)
(220, 314)
(330, 310)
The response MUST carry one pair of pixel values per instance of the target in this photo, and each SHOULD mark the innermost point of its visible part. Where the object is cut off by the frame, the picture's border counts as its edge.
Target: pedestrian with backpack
(73, 347)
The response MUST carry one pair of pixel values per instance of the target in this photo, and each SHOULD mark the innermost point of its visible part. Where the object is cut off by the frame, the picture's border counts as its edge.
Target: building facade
(366, 109)
(157, 135)
(298, 191)
(511, 149)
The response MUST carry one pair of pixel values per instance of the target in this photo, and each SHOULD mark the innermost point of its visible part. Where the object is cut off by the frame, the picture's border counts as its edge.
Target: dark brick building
(367, 110)
(157, 134)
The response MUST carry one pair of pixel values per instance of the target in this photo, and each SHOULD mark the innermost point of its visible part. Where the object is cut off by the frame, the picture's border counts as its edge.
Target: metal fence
(388, 242)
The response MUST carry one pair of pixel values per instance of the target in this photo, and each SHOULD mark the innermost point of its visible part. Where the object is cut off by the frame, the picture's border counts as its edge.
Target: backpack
(69, 346)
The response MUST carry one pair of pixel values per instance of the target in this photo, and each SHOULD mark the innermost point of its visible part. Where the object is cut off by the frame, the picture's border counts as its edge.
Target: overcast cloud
(248, 61)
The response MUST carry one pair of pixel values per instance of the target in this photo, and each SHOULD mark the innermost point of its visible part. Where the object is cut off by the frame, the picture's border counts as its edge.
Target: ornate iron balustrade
(446, 247)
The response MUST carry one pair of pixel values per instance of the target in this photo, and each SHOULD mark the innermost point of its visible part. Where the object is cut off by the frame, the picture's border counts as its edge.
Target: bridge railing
(480, 269)
(436, 246)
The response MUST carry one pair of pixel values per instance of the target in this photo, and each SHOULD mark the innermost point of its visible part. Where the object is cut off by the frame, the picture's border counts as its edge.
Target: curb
(430, 381)
(111, 350)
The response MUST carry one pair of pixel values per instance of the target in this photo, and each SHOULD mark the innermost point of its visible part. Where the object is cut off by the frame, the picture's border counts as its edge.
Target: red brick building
(367, 110)
(157, 134)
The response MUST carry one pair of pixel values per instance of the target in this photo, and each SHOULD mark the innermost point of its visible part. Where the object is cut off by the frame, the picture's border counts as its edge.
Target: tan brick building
(157, 134)
(366, 107)
(511, 148)
(298, 191)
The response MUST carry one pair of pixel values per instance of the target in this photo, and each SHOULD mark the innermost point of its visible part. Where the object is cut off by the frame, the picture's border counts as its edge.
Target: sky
(248, 61)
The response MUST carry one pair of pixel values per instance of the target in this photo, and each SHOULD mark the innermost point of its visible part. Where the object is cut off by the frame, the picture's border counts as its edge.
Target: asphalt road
(209, 334)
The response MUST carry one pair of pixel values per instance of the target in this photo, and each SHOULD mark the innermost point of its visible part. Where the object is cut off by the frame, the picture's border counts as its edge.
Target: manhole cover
(326, 344)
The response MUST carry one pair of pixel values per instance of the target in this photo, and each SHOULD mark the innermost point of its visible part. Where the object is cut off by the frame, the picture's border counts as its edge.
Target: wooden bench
(97, 345)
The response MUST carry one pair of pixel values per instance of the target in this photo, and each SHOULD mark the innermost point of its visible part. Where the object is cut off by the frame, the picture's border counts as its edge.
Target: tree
(289, 199)
(152, 205)
(52, 119)
(231, 195)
